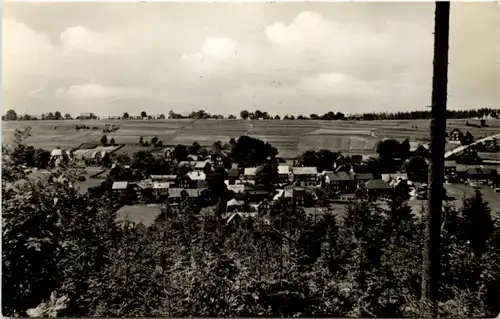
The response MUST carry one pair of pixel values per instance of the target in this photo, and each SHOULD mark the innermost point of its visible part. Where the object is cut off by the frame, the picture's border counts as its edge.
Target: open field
(290, 137)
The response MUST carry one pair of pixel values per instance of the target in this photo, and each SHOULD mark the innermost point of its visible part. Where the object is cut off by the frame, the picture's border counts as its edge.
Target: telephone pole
(433, 216)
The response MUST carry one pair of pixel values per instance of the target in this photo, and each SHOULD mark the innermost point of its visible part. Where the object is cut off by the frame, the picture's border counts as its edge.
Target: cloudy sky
(295, 58)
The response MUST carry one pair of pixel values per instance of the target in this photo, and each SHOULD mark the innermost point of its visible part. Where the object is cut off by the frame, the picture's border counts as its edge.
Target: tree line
(11, 115)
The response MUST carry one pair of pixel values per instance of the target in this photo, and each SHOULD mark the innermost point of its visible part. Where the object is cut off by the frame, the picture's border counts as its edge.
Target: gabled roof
(234, 202)
(304, 170)
(201, 164)
(388, 177)
(234, 172)
(176, 192)
(119, 185)
(364, 176)
(56, 152)
(184, 163)
(283, 169)
(340, 176)
(377, 184)
(450, 163)
(237, 188)
(250, 171)
(480, 171)
(280, 194)
(414, 145)
(197, 176)
(163, 177)
(164, 185)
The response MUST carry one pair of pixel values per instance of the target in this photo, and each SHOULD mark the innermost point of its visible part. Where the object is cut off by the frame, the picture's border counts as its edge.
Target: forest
(64, 254)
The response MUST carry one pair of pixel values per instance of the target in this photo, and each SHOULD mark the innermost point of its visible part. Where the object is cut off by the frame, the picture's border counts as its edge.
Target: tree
(125, 116)
(267, 175)
(161, 117)
(277, 117)
(195, 148)
(231, 117)
(41, 158)
(244, 114)
(431, 255)
(112, 141)
(417, 169)
(144, 114)
(249, 151)
(67, 116)
(104, 140)
(58, 115)
(11, 115)
(154, 140)
(180, 152)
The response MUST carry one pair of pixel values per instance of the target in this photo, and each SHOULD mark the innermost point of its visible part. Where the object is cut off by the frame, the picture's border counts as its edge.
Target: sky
(283, 58)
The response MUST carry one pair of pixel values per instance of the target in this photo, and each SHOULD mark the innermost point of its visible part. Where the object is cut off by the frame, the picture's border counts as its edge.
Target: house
(339, 181)
(57, 153)
(480, 176)
(491, 145)
(397, 176)
(378, 188)
(450, 170)
(237, 188)
(234, 205)
(419, 149)
(177, 195)
(119, 186)
(196, 179)
(163, 178)
(363, 177)
(455, 136)
(233, 175)
(202, 166)
(300, 196)
(283, 174)
(305, 176)
(161, 187)
(469, 156)
(257, 194)
(249, 173)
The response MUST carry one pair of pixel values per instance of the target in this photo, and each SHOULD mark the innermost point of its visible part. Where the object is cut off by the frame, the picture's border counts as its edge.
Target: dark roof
(176, 192)
(377, 184)
(480, 171)
(450, 163)
(340, 176)
(364, 176)
(234, 172)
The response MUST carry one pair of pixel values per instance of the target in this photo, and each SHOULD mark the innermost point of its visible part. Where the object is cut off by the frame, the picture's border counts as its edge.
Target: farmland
(290, 137)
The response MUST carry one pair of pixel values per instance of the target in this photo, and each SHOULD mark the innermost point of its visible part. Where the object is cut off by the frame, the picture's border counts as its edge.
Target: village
(163, 174)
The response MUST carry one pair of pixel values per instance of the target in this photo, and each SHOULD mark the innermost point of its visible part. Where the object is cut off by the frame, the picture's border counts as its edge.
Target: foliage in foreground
(64, 255)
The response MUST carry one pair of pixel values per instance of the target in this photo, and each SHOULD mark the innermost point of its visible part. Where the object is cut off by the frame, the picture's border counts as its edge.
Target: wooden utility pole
(431, 255)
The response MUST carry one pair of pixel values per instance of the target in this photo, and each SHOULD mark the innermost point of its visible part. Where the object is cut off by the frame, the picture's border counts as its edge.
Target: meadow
(290, 137)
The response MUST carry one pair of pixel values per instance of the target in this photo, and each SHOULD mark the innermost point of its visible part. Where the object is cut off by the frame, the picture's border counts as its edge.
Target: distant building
(455, 136)
(284, 175)
(491, 145)
(378, 188)
(419, 149)
(480, 176)
(450, 170)
(305, 176)
(339, 181)
(363, 177)
(249, 173)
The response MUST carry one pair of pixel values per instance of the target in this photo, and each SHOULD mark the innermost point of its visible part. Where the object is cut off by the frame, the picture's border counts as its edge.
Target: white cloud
(81, 39)
(219, 48)
(87, 91)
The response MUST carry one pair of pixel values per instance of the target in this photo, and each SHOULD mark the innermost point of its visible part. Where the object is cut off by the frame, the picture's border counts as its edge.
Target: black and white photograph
(250, 159)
